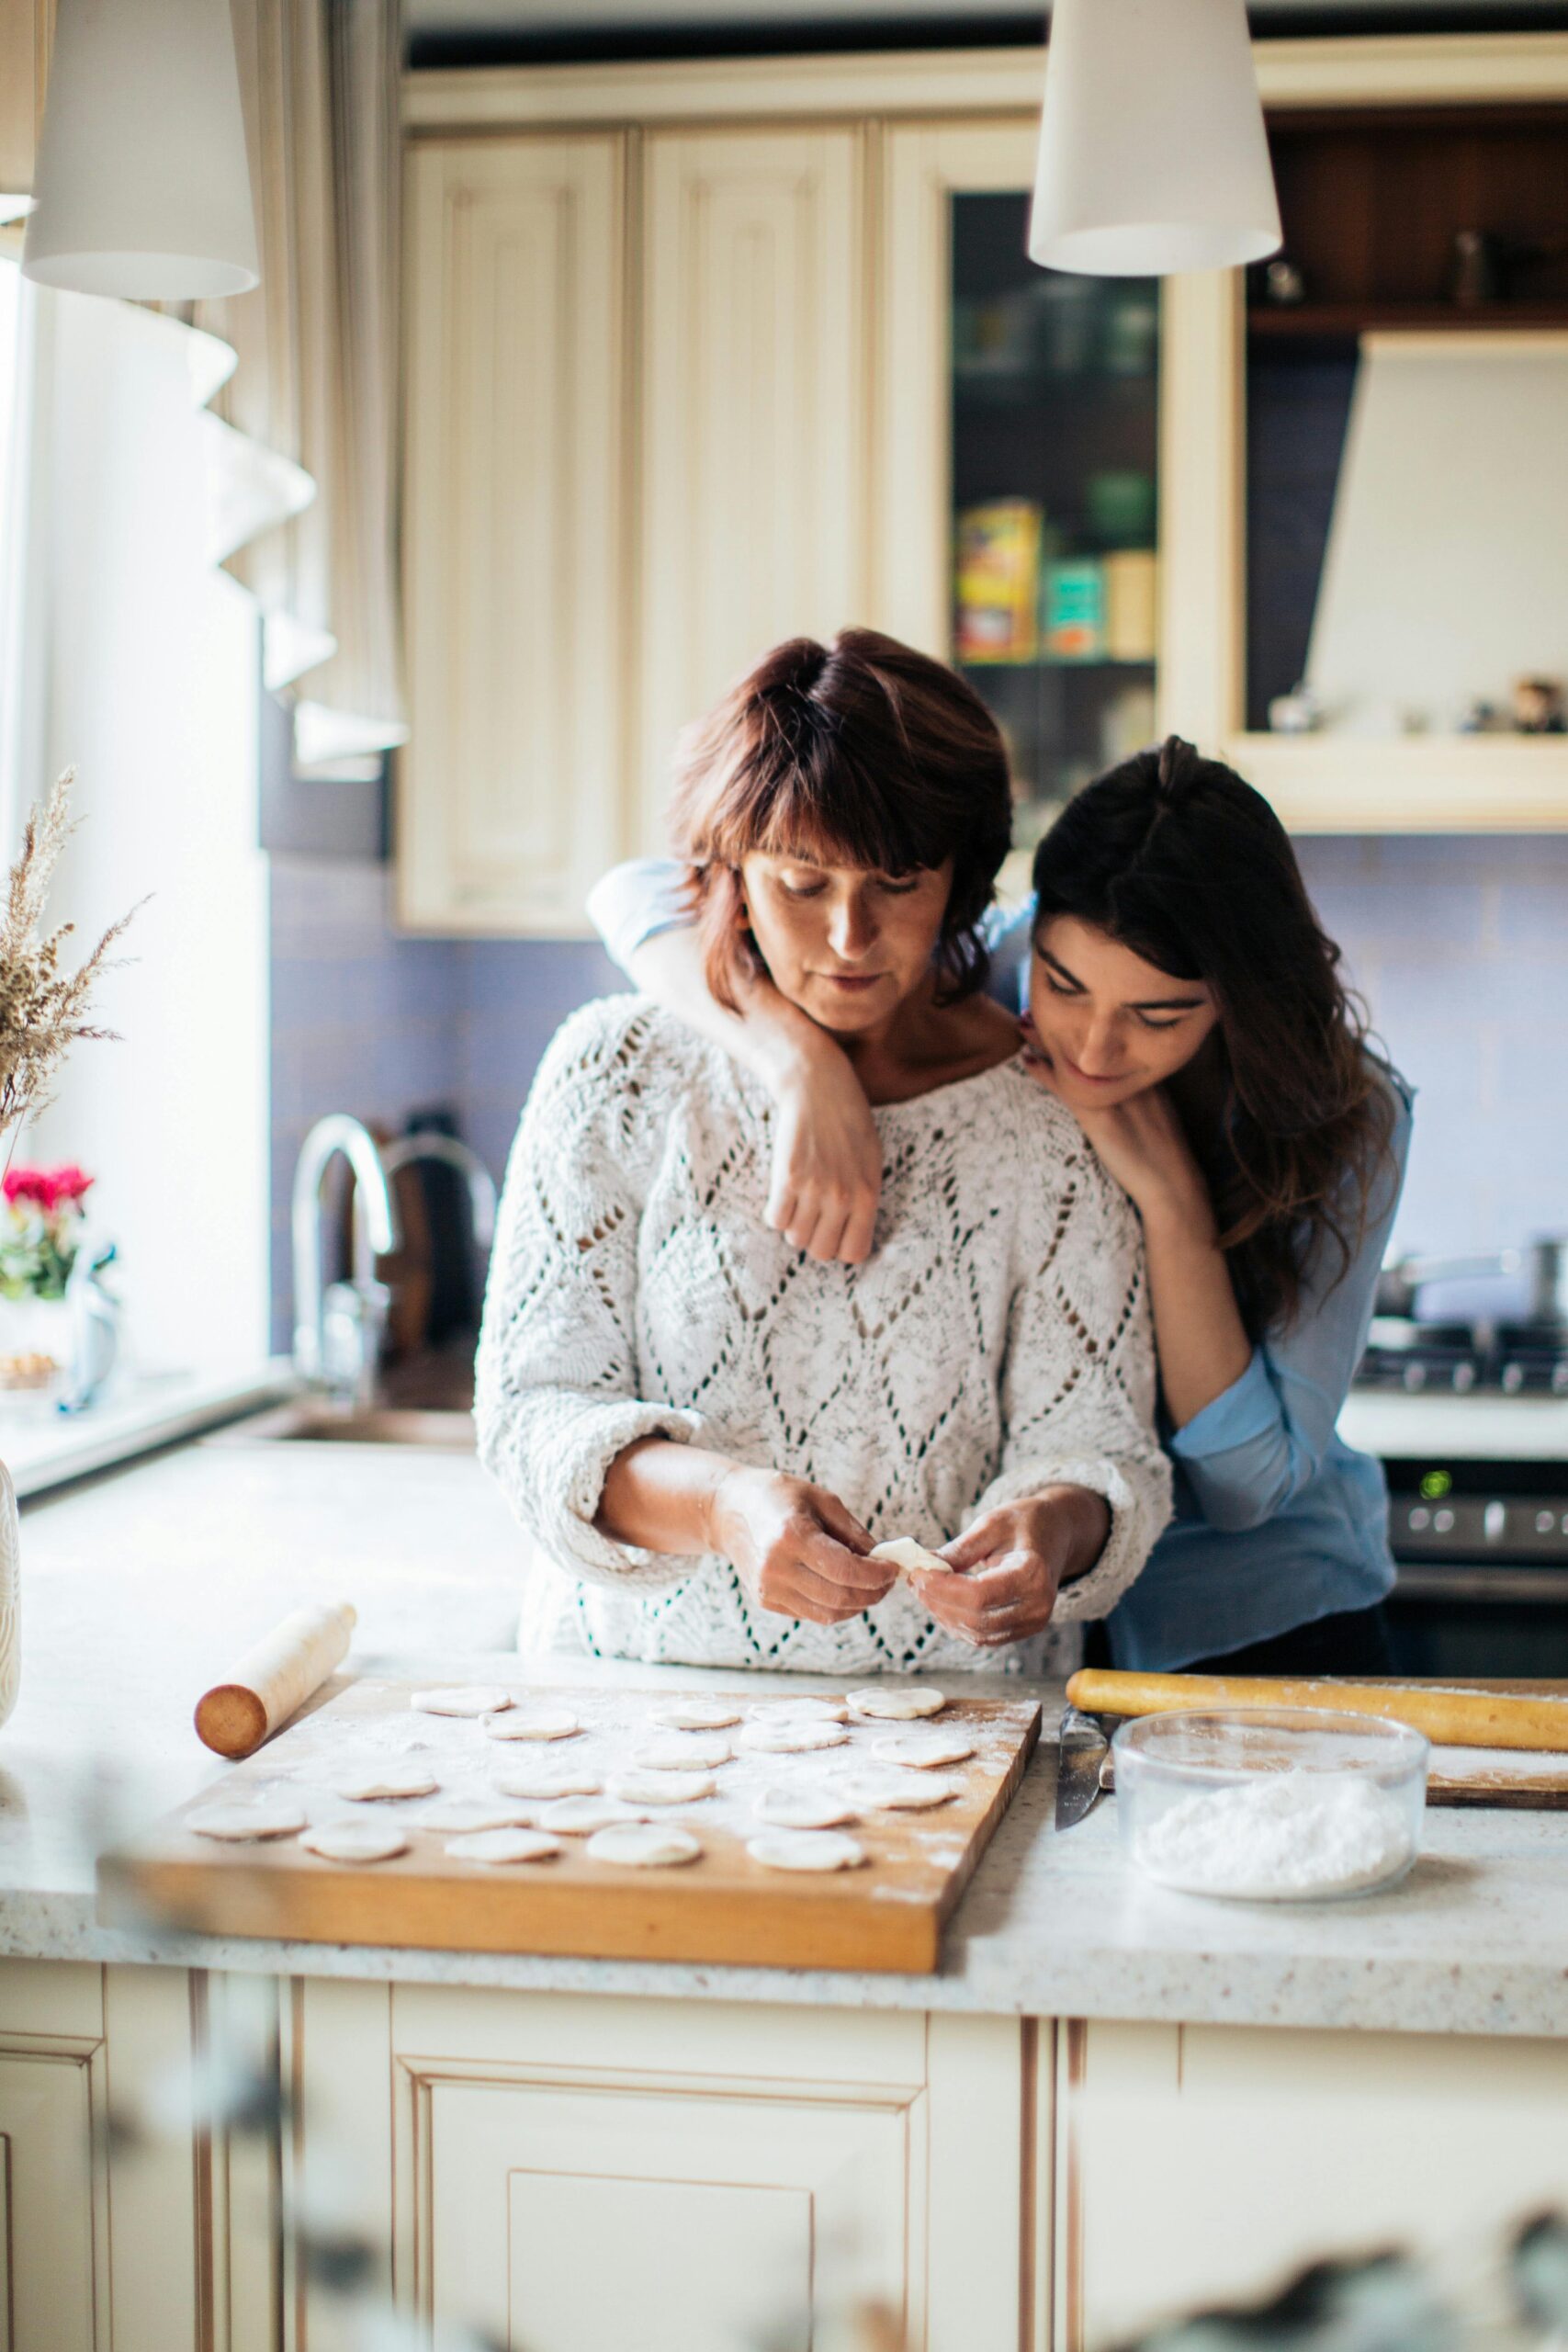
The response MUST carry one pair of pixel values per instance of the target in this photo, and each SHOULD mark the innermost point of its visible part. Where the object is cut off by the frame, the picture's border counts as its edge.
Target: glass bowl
(1270, 1804)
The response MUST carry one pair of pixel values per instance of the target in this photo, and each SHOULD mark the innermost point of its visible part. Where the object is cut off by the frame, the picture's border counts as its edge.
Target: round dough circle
(893, 1788)
(924, 1751)
(643, 1846)
(696, 1714)
(544, 1780)
(898, 1702)
(793, 1735)
(504, 1845)
(355, 1841)
(663, 1788)
(804, 1850)
(681, 1752)
(233, 1820)
(910, 1557)
(804, 1808)
(466, 1699)
(533, 1722)
(581, 1816)
(807, 1708)
(470, 1813)
(373, 1781)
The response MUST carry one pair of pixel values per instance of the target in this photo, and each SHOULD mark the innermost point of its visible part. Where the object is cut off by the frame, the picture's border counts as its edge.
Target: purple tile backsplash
(1461, 947)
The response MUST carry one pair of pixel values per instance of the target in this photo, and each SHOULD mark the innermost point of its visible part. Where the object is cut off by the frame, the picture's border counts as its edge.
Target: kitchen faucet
(429, 1143)
(337, 1332)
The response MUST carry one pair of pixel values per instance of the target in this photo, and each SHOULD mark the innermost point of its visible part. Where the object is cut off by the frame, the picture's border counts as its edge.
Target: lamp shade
(1152, 157)
(142, 188)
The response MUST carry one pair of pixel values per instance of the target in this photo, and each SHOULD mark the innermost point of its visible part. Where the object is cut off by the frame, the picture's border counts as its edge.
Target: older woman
(705, 1429)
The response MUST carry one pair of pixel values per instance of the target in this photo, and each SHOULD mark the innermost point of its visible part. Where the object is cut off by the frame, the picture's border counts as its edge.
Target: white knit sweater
(997, 1340)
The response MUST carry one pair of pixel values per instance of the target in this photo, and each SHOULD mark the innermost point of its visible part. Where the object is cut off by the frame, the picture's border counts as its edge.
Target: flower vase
(10, 1595)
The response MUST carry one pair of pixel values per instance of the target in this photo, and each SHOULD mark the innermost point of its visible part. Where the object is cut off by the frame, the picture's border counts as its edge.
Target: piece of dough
(533, 1722)
(807, 1708)
(681, 1751)
(544, 1780)
(663, 1788)
(643, 1846)
(804, 1850)
(233, 1820)
(468, 1814)
(897, 1703)
(355, 1841)
(504, 1845)
(466, 1699)
(372, 1780)
(910, 1557)
(791, 1736)
(885, 1788)
(696, 1714)
(924, 1751)
(581, 1816)
(804, 1808)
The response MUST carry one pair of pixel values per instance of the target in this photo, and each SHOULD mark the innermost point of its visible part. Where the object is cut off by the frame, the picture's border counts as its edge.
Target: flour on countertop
(1291, 1834)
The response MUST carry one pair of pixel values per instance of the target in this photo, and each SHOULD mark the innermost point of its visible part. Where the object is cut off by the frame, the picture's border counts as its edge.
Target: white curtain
(308, 468)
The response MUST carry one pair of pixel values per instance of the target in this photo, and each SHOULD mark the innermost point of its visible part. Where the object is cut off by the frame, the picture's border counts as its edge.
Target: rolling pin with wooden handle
(273, 1678)
(1449, 1718)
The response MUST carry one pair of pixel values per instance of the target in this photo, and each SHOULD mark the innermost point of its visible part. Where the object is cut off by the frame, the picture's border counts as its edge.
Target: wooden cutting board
(723, 1908)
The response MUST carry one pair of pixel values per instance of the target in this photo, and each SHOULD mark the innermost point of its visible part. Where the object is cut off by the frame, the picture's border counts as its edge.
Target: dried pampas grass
(43, 1007)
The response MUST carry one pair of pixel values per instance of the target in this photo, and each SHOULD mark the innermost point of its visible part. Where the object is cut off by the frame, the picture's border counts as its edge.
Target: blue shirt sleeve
(1255, 1447)
(632, 902)
(1009, 931)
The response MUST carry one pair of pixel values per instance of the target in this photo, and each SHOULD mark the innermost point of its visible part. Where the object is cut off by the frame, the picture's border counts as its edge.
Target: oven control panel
(1512, 1513)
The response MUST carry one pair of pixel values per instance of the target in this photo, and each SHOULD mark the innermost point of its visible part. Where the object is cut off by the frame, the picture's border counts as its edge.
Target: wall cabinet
(752, 455)
(681, 352)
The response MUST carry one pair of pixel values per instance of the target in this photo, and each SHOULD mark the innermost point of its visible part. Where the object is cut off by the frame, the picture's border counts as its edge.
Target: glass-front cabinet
(1019, 442)
(1055, 436)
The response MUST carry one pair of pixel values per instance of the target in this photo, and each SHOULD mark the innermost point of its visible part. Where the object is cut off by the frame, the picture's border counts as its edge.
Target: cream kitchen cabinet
(1231, 2157)
(754, 510)
(577, 2173)
(511, 790)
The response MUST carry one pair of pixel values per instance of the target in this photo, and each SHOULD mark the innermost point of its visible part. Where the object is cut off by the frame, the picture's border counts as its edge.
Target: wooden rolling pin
(1449, 1718)
(273, 1678)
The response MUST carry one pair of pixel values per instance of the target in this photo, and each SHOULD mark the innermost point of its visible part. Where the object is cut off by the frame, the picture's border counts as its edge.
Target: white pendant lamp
(142, 188)
(1152, 157)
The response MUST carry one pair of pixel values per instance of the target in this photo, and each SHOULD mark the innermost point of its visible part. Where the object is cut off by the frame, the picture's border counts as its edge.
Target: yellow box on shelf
(997, 574)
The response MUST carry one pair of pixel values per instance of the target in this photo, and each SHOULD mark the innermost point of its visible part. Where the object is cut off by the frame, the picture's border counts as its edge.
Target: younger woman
(1185, 1005)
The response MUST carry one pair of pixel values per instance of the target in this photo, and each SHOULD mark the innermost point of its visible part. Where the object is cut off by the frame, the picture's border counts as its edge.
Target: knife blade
(1082, 1748)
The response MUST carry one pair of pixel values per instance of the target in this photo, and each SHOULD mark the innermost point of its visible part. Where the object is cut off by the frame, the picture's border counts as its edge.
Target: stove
(1480, 1553)
(1508, 1359)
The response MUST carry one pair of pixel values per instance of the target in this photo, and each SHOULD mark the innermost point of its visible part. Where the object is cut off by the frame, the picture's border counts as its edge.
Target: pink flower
(50, 1187)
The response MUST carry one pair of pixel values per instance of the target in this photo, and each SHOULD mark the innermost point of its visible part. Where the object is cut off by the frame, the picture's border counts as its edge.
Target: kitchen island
(980, 2147)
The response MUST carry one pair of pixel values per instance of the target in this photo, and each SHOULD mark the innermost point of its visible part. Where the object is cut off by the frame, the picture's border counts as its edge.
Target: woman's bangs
(835, 820)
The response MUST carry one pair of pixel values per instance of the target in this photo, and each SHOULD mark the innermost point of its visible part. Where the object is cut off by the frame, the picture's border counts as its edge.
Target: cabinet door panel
(53, 2275)
(514, 573)
(754, 324)
(577, 2218)
(1228, 2157)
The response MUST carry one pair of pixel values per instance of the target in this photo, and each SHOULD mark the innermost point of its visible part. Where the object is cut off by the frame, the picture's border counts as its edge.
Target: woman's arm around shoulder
(1253, 1450)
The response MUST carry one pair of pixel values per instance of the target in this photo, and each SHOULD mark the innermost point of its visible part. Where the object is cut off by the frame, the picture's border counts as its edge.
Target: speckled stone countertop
(143, 1587)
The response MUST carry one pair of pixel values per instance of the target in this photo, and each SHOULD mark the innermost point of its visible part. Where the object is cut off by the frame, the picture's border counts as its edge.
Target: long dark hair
(1179, 860)
(864, 752)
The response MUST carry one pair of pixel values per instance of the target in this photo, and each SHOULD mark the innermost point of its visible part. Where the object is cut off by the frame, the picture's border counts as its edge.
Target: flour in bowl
(1280, 1837)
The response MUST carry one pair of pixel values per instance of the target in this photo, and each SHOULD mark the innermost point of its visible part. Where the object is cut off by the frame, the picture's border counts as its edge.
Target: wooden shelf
(1417, 783)
(1423, 318)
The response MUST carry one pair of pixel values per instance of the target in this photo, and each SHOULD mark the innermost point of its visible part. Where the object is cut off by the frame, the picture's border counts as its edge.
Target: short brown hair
(863, 750)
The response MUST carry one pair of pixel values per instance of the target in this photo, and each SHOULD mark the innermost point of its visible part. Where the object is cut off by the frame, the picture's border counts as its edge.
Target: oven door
(1454, 1620)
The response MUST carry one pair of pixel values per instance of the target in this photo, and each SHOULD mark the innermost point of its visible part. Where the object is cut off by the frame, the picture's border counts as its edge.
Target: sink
(313, 1421)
